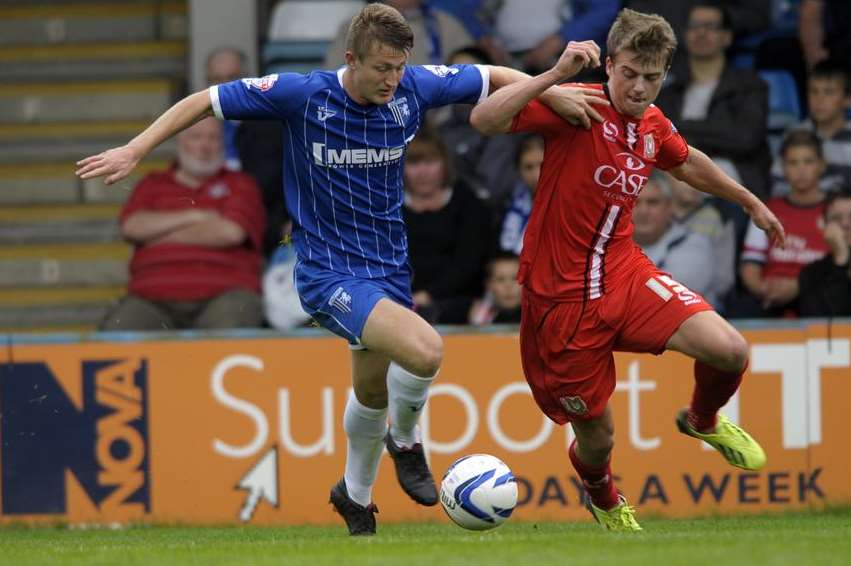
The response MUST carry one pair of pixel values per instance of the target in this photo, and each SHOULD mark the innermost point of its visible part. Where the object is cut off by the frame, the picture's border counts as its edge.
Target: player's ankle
(701, 422)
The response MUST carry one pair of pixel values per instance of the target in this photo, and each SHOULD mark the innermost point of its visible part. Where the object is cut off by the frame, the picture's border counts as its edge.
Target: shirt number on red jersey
(667, 288)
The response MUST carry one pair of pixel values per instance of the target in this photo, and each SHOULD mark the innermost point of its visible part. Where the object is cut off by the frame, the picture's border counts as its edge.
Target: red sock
(712, 389)
(597, 480)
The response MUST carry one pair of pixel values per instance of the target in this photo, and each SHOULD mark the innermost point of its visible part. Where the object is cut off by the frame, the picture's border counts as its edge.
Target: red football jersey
(804, 240)
(578, 240)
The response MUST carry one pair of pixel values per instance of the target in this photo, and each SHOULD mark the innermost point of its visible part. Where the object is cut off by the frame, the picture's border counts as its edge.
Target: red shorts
(567, 348)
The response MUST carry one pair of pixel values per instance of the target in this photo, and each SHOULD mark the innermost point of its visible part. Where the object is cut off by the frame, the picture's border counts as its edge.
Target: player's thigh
(708, 338)
(135, 313)
(404, 337)
(239, 308)
(369, 377)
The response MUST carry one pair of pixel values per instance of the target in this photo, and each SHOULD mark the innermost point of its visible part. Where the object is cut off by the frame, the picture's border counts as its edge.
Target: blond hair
(650, 36)
(382, 24)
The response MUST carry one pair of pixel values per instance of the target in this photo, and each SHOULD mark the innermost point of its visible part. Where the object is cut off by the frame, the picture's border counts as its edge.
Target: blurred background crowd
(762, 86)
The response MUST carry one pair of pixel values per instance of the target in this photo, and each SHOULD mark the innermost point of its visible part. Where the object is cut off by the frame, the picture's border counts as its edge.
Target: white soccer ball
(478, 492)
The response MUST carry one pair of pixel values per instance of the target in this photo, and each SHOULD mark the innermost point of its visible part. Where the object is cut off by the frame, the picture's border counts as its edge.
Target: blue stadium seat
(784, 108)
(301, 30)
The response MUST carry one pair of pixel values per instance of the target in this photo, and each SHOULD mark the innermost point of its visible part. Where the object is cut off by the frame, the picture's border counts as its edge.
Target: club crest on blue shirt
(324, 112)
(399, 108)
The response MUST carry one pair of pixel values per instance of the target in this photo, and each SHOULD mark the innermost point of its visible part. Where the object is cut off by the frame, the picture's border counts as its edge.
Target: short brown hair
(379, 23)
(429, 145)
(650, 36)
(801, 138)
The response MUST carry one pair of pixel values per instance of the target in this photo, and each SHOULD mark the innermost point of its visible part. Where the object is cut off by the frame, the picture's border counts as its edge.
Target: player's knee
(429, 356)
(735, 355)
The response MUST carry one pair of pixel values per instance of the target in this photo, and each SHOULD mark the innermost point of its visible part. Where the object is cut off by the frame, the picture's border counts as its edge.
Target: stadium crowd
(468, 197)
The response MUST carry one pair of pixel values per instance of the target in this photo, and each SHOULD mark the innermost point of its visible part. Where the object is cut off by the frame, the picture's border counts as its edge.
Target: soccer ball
(478, 492)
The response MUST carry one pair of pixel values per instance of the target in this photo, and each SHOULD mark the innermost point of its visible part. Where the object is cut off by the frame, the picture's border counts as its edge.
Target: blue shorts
(341, 303)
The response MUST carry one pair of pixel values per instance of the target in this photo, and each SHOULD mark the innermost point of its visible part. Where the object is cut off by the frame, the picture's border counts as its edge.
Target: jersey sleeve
(270, 97)
(536, 117)
(439, 85)
(756, 245)
(673, 148)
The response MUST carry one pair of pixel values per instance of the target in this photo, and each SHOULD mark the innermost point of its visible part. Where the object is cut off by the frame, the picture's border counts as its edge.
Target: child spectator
(828, 90)
(825, 285)
(769, 272)
(530, 155)
(501, 302)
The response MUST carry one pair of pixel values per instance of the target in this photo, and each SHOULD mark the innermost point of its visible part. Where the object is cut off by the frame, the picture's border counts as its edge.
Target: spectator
(825, 285)
(448, 229)
(501, 303)
(747, 17)
(721, 110)
(533, 34)
(530, 155)
(686, 255)
(226, 64)
(694, 210)
(824, 27)
(436, 35)
(769, 272)
(253, 146)
(828, 90)
(197, 230)
(484, 164)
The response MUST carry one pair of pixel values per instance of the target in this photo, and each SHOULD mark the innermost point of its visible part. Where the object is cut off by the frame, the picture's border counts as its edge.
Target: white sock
(407, 396)
(365, 429)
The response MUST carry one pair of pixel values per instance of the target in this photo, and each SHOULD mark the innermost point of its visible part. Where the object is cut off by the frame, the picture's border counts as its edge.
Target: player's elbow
(485, 122)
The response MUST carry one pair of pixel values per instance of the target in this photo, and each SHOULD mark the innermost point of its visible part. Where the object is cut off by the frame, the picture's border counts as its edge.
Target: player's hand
(576, 104)
(114, 163)
(577, 56)
(765, 219)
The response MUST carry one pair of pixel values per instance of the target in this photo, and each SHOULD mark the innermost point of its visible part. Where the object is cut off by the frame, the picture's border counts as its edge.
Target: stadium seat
(784, 108)
(301, 30)
(316, 20)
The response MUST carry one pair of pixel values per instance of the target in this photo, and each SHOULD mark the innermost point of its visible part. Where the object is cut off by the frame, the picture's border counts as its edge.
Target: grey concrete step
(59, 224)
(33, 22)
(56, 272)
(90, 61)
(84, 101)
(30, 184)
(69, 150)
(54, 317)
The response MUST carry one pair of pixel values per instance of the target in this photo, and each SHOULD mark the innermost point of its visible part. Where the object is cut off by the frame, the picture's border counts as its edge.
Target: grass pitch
(822, 538)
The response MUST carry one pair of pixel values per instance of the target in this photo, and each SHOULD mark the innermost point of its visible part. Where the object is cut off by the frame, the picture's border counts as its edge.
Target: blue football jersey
(343, 161)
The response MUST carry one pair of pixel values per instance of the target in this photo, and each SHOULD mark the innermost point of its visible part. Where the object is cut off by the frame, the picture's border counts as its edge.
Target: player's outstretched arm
(573, 103)
(494, 114)
(700, 172)
(118, 162)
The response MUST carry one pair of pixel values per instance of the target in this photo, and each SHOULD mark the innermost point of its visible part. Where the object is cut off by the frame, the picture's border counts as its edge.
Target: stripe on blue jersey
(331, 196)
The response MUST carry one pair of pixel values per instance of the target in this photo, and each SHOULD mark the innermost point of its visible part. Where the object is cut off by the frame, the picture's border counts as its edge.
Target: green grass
(822, 538)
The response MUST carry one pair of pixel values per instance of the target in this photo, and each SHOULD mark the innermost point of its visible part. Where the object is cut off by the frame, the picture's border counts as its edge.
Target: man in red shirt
(198, 231)
(587, 288)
